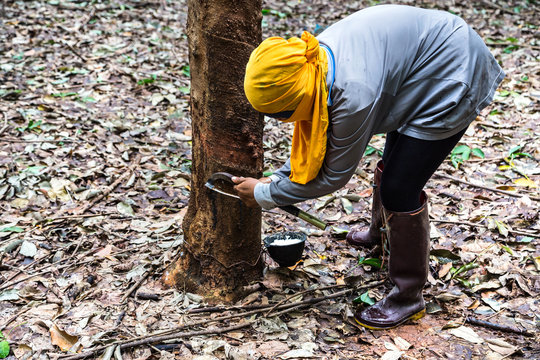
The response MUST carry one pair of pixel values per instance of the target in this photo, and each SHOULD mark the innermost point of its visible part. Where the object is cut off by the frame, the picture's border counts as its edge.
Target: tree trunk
(222, 237)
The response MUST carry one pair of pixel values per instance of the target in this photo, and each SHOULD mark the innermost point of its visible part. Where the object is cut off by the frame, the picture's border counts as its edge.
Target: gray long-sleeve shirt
(424, 73)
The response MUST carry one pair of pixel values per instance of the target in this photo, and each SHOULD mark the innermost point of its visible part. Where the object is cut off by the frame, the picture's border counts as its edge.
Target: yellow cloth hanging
(284, 75)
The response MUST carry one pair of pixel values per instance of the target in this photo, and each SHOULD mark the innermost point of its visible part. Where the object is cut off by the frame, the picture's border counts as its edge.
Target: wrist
(262, 196)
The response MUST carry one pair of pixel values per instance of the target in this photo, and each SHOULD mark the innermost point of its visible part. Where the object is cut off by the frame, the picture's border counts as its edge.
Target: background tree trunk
(222, 249)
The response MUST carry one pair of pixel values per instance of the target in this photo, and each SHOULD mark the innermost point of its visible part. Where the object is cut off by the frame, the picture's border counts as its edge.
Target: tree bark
(222, 237)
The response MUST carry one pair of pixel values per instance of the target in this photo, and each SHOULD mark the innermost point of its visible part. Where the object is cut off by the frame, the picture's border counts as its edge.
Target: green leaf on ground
(186, 71)
(4, 349)
(478, 153)
(63, 95)
(14, 229)
(364, 298)
(147, 81)
(370, 261)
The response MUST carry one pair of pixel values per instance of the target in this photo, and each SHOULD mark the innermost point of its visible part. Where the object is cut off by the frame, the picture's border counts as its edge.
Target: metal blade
(213, 188)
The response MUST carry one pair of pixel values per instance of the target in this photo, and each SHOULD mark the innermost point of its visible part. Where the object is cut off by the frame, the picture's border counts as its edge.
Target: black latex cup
(286, 255)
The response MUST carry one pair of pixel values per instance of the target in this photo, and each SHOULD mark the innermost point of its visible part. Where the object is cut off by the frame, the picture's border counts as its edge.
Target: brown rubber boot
(408, 236)
(372, 236)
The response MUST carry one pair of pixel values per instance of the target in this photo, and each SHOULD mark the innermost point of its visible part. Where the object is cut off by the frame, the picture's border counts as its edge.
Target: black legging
(408, 165)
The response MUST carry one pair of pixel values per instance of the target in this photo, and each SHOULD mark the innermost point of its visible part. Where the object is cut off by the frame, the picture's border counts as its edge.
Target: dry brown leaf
(501, 346)
(269, 349)
(444, 270)
(105, 252)
(62, 339)
(466, 333)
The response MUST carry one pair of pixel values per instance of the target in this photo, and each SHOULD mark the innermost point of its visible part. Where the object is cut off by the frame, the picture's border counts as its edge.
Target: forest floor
(94, 182)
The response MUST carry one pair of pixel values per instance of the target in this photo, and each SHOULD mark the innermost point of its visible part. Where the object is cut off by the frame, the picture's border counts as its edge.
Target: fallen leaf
(445, 269)
(519, 280)
(448, 297)
(270, 349)
(106, 251)
(136, 272)
(474, 305)
(156, 98)
(271, 328)
(401, 343)
(9, 295)
(526, 183)
(4, 349)
(28, 249)
(488, 285)
(434, 233)
(347, 206)
(452, 324)
(125, 209)
(297, 354)
(466, 333)
(501, 346)
(537, 262)
(62, 339)
(392, 355)
(495, 305)
(366, 192)
(58, 189)
(522, 101)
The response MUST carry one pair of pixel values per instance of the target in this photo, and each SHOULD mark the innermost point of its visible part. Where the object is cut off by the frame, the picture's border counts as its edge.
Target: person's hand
(245, 188)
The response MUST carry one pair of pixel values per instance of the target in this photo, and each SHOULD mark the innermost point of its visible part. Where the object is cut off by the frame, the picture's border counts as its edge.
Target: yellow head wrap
(284, 75)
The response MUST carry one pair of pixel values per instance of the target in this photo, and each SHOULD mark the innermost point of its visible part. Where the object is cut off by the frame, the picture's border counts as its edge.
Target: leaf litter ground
(94, 182)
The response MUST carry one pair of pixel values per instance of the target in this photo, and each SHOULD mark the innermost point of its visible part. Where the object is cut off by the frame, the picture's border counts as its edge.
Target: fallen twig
(74, 51)
(5, 123)
(105, 7)
(214, 331)
(43, 271)
(81, 216)
(11, 319)
(20, 270)
(110, 189)
(509, 193)
(459, 222)
(173, 333)
(507, 43)
(7, 285)
(147, 296)
(288, 298)
(495, 6)
(498, 327)
(135, 286)
(9, 140)
(175, 336)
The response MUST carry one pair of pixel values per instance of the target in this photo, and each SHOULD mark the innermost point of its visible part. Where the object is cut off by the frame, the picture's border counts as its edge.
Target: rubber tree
(222, 237)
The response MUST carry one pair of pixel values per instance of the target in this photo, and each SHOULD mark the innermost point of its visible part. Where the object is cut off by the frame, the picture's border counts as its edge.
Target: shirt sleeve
(263, 197)
(347, 139)
(262, 190)
(282, 172)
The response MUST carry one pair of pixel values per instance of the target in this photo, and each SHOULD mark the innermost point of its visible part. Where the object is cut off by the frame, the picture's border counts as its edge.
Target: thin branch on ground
(498, 327)
(509, 193)
(173, 333)
(126, 174)
(497, 7)
(466, 223)
(22, 141)
(5, 123)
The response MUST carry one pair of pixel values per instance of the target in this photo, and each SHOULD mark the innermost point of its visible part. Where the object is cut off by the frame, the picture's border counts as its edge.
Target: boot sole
(416, 316)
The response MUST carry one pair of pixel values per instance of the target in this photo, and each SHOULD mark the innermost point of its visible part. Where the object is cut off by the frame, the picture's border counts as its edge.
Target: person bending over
(420, 76)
